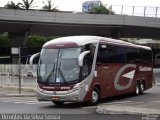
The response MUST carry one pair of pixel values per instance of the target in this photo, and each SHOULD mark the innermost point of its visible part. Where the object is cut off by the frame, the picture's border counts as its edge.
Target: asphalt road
(35, 110)
(72, 117)
(156, 74)
(151, 98)
(30, 106)
(79, 111)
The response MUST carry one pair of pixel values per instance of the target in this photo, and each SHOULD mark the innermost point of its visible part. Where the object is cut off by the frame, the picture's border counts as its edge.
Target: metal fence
(145, 11)
(9, 75)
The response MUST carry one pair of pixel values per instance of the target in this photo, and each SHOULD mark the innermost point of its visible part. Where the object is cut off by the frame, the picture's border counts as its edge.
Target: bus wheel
(137, 91)
(95, 96)
(58, 102)
(142, 88)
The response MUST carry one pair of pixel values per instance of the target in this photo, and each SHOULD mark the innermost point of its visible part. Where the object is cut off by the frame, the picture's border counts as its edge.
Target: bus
(90, 68)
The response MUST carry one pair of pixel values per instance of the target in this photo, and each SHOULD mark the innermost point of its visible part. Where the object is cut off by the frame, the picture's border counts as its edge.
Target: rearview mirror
(81, 57)
(32, 58)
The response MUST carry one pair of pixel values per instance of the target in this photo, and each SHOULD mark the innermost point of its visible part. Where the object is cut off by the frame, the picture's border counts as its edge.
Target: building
(154, 44)
(87, 6)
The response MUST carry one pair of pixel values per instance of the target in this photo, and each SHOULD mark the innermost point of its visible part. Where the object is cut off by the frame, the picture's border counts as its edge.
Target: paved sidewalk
(130, 108)
(12, 91)
(119, 109)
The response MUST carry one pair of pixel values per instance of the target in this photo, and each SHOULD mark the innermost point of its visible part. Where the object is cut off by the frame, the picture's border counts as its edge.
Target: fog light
(75, 97)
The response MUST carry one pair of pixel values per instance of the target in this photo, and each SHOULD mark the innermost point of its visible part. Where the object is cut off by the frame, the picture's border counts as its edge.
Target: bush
(35, 41)
(101, 10)
(4, 41)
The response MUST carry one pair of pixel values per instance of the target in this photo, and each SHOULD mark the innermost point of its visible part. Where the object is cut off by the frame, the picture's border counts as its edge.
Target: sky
(76, 5)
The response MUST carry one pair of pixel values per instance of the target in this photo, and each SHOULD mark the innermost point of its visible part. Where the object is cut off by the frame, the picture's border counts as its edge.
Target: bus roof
(83, 40)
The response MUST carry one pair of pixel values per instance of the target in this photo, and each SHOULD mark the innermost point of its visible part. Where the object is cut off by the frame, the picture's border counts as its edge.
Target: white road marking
(25, 101)
(5, 101)
(156, 101)
(31, 102)
(37, 102)
(123, 102)
(118, 102)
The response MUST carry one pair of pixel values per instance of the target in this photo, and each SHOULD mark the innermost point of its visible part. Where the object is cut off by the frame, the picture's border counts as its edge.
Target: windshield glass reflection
(59, 65)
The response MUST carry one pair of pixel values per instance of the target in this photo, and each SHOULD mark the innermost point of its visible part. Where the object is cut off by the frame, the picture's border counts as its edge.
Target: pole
(156, 12)
(19, 66)
(144, 11)
(122, 10)
(133, 11)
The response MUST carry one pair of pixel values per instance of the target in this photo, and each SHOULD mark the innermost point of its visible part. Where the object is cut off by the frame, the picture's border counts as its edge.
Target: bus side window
(133, 56)
(111, 54)
(146, 56)
(102, 55)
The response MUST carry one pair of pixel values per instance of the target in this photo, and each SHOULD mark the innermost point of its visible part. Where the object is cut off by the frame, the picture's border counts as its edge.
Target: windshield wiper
(52, 71)
(62, 75)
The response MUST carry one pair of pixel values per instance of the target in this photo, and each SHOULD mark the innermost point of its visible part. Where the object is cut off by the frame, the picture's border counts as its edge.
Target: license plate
(55, 98)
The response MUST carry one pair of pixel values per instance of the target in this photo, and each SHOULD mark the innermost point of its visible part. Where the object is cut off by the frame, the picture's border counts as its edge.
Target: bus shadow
(69, 105)
(118, 98)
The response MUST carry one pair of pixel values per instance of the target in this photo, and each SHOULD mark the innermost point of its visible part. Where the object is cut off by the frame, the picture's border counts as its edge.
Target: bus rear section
(89, 68)
(123, 69)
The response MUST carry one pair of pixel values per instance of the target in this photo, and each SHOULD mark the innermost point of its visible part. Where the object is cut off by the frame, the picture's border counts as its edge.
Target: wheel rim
(94, 96)
(137, 89)
(142, 87)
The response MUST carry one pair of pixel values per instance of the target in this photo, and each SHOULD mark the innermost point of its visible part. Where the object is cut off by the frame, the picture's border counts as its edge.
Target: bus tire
(58, 102)
(142, 88)
(95, 96)
(137, 90)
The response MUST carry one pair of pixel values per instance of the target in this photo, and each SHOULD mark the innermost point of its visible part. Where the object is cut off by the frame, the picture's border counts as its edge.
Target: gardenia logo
(145, 68)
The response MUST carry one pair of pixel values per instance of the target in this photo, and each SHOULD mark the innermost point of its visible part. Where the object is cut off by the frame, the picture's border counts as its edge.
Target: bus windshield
(58, 66)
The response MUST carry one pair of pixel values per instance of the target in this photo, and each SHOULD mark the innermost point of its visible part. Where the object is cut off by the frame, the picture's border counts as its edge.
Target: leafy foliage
(101, 10)
(36, 41)
(12, 5)
(32, 40)
(27, 5)
(4, 41)
(49, 6)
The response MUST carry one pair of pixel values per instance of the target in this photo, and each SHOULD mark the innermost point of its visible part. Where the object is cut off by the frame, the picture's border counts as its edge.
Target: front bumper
(66, 96)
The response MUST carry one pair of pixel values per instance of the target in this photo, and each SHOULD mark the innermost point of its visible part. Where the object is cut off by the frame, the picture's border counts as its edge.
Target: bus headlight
(77, 87)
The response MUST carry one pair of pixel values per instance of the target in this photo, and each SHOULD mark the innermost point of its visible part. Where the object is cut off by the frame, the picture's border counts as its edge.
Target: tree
(34, 41)
(12, 5)
(101, 10)
(27, 5)
(49, 6)
(4, 40)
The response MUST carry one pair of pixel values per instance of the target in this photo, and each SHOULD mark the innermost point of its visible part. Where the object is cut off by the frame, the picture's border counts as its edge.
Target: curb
(157, 83)
(123, 110)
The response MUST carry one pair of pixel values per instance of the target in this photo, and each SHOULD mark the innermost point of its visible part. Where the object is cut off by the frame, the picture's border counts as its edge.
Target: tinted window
(120, 54)
(111, 54)
(133, 55)
(146, 56)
